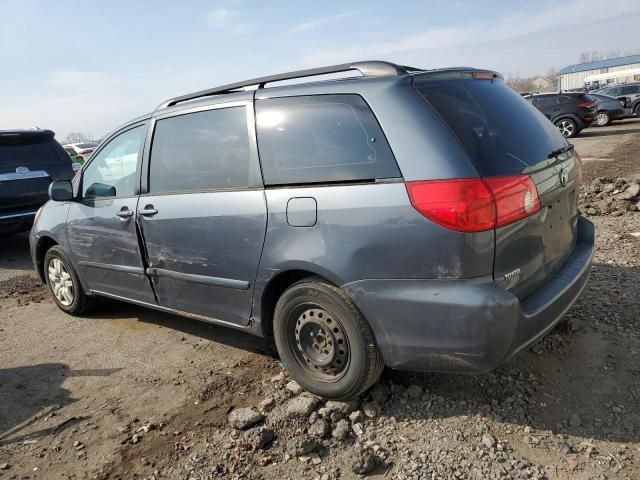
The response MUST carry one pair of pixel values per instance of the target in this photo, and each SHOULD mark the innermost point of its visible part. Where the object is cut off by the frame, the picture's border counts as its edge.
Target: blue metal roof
(612, 62)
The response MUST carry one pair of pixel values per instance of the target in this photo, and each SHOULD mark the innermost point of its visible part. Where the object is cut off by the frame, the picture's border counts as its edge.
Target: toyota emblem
(564, 176)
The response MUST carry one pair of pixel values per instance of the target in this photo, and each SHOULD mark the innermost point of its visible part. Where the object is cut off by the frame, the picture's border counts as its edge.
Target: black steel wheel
(325, 342)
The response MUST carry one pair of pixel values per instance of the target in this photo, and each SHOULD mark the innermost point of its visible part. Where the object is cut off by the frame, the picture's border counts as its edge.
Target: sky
(88, 66)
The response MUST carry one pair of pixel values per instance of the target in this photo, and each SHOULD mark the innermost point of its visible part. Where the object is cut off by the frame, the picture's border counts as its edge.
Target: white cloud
(319, 22)
(226, 19)
(562, 20)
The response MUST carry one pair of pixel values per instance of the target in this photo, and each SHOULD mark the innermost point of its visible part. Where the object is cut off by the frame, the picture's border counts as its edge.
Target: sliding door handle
(148, 211)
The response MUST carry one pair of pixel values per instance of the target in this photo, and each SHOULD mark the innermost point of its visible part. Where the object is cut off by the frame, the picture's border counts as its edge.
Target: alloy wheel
(601, 119)
(566, 127)
(61, 282)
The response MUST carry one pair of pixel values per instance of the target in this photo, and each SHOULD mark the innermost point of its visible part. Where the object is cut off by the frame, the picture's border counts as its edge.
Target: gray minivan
(416, 219)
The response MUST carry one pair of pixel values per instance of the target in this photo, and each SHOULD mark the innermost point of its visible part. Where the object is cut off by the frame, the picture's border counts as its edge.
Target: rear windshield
(16, 152)
(501, 132)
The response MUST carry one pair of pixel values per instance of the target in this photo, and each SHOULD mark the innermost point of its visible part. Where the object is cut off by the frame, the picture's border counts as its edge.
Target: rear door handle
(124, 213)
(148, 211)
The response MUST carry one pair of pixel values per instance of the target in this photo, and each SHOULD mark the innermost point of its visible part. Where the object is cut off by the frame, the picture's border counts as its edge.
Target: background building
(614, 70)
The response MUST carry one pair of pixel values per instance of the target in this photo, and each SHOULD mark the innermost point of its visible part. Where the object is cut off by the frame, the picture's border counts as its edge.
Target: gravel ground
(130, 393)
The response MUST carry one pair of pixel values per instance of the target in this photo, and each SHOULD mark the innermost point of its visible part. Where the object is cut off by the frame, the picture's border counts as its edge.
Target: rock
(488, 440)
(359, 461)
(242, 418)
(632, 191)
(293, 387)
(319, 429)
(258, 438)
(371, 409)
(414, 391)
(277, 378)
(379, 393)
(341, 430)
(301, 406)
(301, 446)
(267, 404)
(344, 408)
(4, 466)
(575, 420)
(136, 438)
(356, 417)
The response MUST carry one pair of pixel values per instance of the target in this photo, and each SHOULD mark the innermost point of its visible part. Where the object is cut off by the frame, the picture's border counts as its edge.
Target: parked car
(628, 93)
(82, 151)
(29, 161)
(570, 112)
(439, 233)
(608, 109)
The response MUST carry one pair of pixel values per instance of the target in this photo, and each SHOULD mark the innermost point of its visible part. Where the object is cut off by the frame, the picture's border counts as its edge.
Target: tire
(567, 127)
(636, 109)
(602, 119)
(58, 268)
(325, 342)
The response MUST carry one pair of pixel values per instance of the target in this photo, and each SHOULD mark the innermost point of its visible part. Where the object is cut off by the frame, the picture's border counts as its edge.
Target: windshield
(501, 132)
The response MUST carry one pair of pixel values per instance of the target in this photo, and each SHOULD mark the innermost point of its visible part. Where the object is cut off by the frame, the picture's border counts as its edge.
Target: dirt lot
(130, 393)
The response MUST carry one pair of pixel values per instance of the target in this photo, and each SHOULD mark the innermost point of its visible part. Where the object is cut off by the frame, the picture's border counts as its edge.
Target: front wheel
(63, 283)
(602, 119)
(567, 127)
(325, 342)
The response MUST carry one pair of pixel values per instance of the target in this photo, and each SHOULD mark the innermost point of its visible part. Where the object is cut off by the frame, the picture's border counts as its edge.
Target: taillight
(516, 198)
(475, 204)
(586, 105)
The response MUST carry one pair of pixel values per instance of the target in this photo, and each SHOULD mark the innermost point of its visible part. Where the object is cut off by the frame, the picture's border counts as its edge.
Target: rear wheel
(602, 119)
(567, 127)
(325, 342)
(636, 109)
(63, 283)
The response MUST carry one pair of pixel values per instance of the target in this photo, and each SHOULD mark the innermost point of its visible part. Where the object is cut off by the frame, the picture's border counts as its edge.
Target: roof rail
(367, 69)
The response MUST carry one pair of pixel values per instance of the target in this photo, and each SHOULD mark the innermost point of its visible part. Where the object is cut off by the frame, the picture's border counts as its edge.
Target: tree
(76, 137)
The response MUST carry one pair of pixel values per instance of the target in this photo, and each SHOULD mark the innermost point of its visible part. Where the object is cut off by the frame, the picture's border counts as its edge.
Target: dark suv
(29, 161)
(570, 112)
(416, 219)
(629, 94)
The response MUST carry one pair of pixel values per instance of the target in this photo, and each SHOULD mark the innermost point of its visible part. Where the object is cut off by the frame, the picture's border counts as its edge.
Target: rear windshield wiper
(561, 152)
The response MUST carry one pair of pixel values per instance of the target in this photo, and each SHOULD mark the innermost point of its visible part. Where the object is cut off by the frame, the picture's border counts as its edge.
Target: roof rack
(367, 69)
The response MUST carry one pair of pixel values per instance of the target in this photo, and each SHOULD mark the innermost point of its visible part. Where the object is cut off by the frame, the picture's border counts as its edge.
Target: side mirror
(61, 191)
(101, 190)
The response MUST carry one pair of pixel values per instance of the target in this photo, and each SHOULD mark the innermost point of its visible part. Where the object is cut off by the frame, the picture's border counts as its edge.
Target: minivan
(415, 219)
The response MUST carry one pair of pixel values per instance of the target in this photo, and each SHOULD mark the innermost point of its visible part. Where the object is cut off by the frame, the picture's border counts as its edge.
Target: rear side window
(546, 101)
(502, 133)
(33, 153)
(201, 151)
(630, 89)
(323, 138)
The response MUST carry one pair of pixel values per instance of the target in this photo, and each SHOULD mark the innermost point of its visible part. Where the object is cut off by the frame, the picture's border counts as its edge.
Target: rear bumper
(467, 326)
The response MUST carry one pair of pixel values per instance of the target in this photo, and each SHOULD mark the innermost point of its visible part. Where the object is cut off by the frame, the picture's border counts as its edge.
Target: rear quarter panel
(368, 231)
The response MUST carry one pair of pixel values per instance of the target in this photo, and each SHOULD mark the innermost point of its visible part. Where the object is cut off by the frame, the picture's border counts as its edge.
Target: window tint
(546, 101)
(501, 132)
(113, 171)
(630, 89)
(323, 138)
(201, 151)
(564, 99)
(34, 154)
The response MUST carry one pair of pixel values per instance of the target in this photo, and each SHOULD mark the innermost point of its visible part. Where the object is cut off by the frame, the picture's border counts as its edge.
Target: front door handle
(148, 211)
(124, 213)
